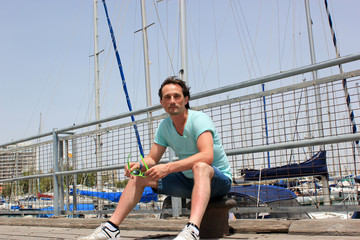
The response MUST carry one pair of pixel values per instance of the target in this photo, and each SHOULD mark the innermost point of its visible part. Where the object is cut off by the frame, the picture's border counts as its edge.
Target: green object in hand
(137, 172)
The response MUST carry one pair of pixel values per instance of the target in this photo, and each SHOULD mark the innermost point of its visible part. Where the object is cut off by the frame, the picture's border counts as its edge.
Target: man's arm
(205, 145)
(155, 155)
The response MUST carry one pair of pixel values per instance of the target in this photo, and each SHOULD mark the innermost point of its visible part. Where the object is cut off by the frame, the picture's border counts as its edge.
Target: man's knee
(201, 168)
(138, 181)
(143, 182)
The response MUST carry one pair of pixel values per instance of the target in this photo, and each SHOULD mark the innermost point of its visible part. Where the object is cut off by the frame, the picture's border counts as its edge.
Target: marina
(290, 136)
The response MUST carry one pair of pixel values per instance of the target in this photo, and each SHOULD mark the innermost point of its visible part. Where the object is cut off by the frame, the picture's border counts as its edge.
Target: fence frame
(58, 174)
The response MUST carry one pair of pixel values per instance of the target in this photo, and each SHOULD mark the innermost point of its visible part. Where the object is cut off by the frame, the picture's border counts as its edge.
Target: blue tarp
(148, 195)
(316, 165)
(80, 207)
(267, 193)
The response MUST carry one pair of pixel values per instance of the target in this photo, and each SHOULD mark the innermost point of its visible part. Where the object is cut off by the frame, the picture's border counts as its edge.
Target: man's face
(173, 100)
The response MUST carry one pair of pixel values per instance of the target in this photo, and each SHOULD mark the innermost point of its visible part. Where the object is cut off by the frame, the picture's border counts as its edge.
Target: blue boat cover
(265, 193)
(79, 207)
(147, 196)
(356, 215)
(316, 165)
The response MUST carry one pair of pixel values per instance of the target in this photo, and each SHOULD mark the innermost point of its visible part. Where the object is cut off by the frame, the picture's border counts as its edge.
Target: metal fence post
(61, 178)
(175, 201)
(56, 169)
(74, 162)
(67, 193)
(17, 171)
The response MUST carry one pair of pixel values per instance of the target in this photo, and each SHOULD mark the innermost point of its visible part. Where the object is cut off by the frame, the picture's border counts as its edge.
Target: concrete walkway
(150, 228)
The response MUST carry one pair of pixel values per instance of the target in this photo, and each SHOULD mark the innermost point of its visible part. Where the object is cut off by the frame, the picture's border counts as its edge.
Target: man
(202, 171)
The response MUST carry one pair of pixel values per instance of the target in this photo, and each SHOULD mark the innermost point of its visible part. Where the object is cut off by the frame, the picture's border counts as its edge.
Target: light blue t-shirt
(186, 145)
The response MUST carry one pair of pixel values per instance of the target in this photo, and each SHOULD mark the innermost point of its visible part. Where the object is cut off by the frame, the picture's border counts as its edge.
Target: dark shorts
(177, 185)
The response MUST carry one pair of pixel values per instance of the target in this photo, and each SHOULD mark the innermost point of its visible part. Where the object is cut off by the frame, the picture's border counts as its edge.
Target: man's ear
(186, 100)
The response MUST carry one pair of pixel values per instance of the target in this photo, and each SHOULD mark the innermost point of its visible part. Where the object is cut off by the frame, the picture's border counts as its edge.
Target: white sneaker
(103, 233)
(188, 233)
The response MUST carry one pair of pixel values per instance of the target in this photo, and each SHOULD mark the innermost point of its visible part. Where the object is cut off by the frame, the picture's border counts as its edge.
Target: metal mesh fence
(89, 164)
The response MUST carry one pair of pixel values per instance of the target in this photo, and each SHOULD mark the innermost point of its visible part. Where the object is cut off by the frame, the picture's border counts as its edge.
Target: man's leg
(203, 173)
(129, 198)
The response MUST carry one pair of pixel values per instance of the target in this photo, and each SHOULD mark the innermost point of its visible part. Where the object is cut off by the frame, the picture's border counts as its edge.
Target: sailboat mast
(146, 54)
(324, 181)
(96, 65)
(314, 73)
(146, 65)
(97, 104)
(183, 41)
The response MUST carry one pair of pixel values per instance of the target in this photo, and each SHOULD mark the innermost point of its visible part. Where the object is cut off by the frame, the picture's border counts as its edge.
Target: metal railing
(59, 171)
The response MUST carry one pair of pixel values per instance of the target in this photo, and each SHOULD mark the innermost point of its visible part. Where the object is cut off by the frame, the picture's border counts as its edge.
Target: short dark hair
(181, 83)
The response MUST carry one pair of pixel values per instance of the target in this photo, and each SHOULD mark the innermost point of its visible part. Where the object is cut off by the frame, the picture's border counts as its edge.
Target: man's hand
(157, 172)
(133, 166)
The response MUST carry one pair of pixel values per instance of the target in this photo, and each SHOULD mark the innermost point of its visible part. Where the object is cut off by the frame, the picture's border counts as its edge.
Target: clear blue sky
(46, 67)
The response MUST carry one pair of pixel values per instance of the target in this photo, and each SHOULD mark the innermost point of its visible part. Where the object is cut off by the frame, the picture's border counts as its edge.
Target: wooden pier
(25, 228)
